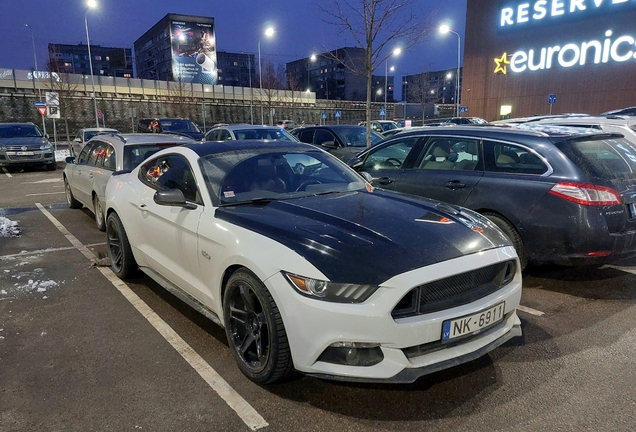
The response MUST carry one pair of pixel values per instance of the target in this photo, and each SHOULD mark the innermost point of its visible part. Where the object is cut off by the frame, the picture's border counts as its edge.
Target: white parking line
(45, 193)
(6, 172)
(244, 410)
(530, 310)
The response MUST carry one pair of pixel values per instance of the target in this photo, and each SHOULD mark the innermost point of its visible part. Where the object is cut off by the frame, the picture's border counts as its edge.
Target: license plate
(24, 153)
(632, 210)
(472, 324)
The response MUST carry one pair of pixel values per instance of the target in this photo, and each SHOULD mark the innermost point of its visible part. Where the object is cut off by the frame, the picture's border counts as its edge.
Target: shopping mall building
(518, 52)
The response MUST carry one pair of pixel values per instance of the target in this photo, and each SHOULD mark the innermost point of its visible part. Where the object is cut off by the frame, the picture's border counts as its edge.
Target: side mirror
(47, 136)
(172, 198)
(355, 163)
(77, 140)
(70, 160)
(329, 145)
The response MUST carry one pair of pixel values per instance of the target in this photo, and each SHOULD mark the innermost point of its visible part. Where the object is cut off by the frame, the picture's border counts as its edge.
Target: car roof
(121, 140)
(18, 124)
(211, 147)
(619, 120)
(244, 125)
(538, 118)
(99, 130)
(520, 130)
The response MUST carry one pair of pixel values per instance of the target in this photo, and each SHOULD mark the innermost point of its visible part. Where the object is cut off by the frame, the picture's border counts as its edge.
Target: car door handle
(91, 175)
(455, 184)
(385, 180)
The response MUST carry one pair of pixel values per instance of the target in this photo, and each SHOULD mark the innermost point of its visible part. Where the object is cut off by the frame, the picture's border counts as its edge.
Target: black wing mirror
(355, 163)
(172, 198)
(70, 159)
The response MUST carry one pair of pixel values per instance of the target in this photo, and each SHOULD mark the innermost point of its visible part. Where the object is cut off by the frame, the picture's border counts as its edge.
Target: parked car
(562, 196)
(310, 268)
(86, 176)
(536, 118)
(625, 125)
(84, 135)
(23, 144)
(179, 126)
(381, 126)
(226, 132)
(343, 141)
(630, 111)
(466, 120)
(286, 124)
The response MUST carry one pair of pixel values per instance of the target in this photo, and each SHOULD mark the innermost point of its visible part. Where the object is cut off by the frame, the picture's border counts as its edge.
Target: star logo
(501, 64)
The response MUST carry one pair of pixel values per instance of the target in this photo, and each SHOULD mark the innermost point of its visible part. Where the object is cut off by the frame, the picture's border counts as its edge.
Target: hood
(24, 141)
(368, 237)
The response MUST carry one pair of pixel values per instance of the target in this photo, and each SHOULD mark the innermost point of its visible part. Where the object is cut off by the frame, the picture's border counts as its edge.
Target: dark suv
(179, 126)
(24, 144)
(562, 195)
(343, 141)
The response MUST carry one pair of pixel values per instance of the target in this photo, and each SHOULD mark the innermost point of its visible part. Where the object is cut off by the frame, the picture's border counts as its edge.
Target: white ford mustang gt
(309, 268)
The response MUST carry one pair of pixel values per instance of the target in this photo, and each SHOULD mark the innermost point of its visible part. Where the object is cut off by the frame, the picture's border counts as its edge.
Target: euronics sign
(595, 51)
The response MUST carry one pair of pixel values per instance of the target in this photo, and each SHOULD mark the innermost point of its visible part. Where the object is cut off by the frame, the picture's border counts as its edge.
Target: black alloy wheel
(512, 233)
(255, 330)
(122, 261)
(70, 199)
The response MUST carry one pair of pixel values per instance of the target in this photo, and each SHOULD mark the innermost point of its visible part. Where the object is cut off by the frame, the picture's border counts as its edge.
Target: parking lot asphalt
(82, 351)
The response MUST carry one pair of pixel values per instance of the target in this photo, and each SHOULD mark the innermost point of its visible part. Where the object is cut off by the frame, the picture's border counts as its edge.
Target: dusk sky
(300, 29)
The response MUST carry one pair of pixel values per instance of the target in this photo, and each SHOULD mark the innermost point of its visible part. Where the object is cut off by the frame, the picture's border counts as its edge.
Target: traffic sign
(323, 115)
(53, 112)
(382, 112)
(552, 98)
(336, 113)
(41, 107)
(463, 109)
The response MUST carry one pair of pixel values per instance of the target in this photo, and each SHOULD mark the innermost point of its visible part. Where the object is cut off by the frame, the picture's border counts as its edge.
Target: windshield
(386, 126)
(355, 136)
(179, 126)
(613, 158)
(264, 134)
(19, 131)
(90, 134)
(250, 175)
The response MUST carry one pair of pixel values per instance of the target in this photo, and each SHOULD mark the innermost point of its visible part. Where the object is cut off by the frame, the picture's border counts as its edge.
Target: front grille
(19, 147)
(456, 290)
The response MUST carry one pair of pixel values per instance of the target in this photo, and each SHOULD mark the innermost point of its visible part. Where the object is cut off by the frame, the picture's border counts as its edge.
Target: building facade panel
(517, 52)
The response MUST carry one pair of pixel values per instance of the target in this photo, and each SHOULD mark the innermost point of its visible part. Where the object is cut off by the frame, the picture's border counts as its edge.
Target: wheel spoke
(247, 342)
(238, 315)
(248, 298)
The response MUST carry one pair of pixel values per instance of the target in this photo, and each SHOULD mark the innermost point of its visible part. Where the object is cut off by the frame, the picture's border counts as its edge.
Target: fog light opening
(352, 354)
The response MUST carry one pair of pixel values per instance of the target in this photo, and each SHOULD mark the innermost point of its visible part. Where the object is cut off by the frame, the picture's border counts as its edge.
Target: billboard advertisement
(193, 52)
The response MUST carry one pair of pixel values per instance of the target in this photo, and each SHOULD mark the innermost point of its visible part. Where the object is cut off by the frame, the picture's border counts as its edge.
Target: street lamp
(89, 5)
(311, 59)
(36, 74)
(446, 29)
(269, 32)
(396, 52)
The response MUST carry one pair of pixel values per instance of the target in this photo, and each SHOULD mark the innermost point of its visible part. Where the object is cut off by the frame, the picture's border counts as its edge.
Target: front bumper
(313, 325)
(8, 158)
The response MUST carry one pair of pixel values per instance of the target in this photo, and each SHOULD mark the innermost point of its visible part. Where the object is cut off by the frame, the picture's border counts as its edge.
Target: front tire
(512, 233)
(255, 330)
(99, 214)
(70, 199)
(122, 261)
(52, 166)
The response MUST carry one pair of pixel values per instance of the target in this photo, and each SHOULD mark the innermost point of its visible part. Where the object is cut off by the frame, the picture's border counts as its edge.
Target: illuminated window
(127, 75)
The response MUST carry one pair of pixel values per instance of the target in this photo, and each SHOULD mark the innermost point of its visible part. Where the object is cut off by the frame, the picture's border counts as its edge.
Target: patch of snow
(61, 155)
(3, 292)
(7, 271)
(9, 228)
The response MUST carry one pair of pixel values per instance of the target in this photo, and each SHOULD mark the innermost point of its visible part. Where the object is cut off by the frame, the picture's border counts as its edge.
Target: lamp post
(396, 52)
(249, 69)
(446, 29)
(89, 5)
(35, 73)
(269, 32)
(310, 60)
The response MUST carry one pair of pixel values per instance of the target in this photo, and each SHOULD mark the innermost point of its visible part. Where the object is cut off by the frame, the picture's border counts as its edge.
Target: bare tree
(419, 91)
(180, 93)
(272, 84)
(66, 86)
(375, 25)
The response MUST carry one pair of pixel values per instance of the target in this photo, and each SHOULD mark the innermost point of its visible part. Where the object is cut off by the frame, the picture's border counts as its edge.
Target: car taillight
(586, 194)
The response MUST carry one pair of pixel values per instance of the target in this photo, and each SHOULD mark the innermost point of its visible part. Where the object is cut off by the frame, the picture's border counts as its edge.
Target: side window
(306, 136)
(213, 135)
(509, 158)
(323, 136)
(224, 135)
(390, 156)
(171, 172)
(110, 158)
(83, 157)
(96, 156)
(449, 153)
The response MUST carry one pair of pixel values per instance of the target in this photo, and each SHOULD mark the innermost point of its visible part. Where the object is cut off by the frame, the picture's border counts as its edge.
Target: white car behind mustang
(310, 269)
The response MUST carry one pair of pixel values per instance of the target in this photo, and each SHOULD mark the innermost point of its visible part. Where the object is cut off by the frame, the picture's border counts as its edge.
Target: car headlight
(3, 148)
(45, 146)
(330, 291)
